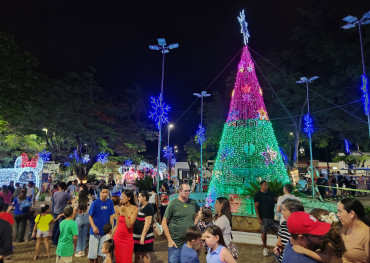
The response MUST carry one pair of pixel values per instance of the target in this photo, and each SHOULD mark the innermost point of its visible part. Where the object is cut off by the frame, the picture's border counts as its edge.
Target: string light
(45, 155)
(168, 152)
(308, 126)
(347, 145)
(102, 157)
(200, 137)
(365, 94)
(248, 148)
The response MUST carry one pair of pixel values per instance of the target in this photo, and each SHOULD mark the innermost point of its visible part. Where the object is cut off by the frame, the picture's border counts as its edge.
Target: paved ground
(24, 252)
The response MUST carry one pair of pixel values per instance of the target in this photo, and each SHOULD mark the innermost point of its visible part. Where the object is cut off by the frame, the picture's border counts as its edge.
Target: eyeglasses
(186, 191)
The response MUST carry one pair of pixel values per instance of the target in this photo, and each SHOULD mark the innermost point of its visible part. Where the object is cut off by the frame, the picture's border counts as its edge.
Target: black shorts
(269, 224)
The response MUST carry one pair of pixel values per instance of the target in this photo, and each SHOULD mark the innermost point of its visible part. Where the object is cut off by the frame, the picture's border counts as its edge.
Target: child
(108, 250)
(193, 243)
(67, 238)
(203, 220)
(217, 251)
(42, 222)
(332, 246)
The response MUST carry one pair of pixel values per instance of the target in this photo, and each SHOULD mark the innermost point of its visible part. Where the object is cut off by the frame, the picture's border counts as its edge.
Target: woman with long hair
(217, 250)
(355, 231)
(22, 205)
(123, 231)
(223, 218)
(143, 229)
(81, 206)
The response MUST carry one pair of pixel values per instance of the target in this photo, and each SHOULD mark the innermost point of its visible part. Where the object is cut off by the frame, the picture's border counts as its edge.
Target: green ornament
(249, 148)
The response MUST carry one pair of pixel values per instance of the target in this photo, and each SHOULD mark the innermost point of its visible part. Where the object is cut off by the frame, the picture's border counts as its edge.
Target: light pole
(200, 133)
(352, 22)
(168, 146)
(309, 128)
(164, 48)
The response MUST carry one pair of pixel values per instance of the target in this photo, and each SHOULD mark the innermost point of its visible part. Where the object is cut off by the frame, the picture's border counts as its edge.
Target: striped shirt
(285, 236)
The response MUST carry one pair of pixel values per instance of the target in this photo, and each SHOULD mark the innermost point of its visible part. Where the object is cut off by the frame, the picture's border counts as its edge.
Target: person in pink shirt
(6, 194)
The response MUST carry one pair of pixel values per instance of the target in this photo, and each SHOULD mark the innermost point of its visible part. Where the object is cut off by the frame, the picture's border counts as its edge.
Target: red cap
(303, 223)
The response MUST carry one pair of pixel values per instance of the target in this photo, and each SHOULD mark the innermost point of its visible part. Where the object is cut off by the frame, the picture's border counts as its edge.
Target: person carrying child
(67, 238)
(217, 251)
(41, 229)
(193, 243)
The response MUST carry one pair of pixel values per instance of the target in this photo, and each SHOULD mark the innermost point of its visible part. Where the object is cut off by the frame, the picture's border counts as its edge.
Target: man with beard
(307, 231)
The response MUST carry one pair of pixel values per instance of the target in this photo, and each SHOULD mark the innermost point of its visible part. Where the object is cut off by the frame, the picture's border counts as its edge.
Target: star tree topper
(244, 27)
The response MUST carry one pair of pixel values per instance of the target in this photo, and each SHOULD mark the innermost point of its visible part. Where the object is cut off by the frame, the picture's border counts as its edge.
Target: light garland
(248, 148)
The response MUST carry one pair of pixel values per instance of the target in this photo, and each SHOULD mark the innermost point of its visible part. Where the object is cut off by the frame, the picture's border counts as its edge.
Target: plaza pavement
(24, 252)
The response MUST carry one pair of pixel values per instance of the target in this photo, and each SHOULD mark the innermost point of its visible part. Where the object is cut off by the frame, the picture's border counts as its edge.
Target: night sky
(113, 37)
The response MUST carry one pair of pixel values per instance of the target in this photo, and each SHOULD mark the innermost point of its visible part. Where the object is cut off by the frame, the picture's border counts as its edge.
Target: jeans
(174, 255)
(334, 192)
(56, 231)
(82, 221)
(20, 226)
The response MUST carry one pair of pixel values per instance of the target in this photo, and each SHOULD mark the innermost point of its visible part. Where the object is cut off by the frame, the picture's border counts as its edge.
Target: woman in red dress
(122, 232)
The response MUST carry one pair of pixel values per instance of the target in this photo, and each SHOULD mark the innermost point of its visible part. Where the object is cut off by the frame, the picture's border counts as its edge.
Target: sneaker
(80, 254)
(265, 252)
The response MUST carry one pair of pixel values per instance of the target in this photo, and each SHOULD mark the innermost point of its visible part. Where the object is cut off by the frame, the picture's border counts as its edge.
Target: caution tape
(348, 189)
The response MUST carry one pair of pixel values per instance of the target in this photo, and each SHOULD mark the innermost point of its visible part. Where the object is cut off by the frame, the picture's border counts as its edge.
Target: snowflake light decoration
(308, 125)
(347, 145)
(102, 157)
(168, 152)
(76, 156)
(244, 27)
(173, 161)
(160, 110)
(85, 159)
(365, 95)
(67, 164)
(200, 137)
(45, 155)
(128, 162)
(250, 67)
(270, 155)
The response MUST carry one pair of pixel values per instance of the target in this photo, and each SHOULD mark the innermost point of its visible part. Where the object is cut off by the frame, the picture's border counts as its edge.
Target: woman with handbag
(223, 220)
(21, 205)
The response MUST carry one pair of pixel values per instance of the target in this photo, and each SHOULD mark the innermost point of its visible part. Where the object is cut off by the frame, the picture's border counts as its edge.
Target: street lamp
(168, 145)
(309, 127)
(164, 48)
(200, 133)
(352, 22)
(45, 130)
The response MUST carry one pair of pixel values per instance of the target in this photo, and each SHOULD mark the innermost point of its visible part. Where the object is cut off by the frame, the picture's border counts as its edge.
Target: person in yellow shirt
(41, 229)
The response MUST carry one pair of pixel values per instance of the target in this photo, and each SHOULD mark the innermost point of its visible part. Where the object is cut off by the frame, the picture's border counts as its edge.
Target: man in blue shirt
(101, 212)
(306, 231)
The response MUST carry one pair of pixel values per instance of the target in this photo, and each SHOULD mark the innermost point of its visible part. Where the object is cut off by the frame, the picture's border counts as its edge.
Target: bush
(42, 197)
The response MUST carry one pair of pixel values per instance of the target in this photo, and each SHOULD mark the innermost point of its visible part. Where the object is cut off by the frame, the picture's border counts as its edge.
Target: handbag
(233, 249)
(158, 230)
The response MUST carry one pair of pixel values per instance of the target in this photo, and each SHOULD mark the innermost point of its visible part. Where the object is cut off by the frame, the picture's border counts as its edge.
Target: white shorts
(95, 245)
(42, 233)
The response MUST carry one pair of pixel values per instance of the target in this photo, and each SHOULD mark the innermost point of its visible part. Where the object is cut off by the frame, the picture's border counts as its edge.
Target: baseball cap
(303, 223)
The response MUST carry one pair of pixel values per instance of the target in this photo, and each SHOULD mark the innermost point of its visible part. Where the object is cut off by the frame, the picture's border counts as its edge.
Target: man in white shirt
(288, 189)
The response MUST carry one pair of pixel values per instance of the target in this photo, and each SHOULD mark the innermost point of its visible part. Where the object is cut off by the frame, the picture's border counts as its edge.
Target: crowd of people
(333, 185)
(119, 225)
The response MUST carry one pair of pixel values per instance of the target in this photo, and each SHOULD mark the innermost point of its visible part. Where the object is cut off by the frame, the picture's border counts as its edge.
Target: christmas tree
(248, 148)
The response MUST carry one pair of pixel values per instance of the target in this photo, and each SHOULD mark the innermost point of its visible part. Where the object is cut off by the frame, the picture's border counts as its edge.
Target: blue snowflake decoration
(102, 157)
(128, 163)
(85, 159)
(168, 152)
(173, 161)
(45, 155)
(233, 115)
(347, 145)
(67, 164)
(200, 135)
(365, 95)
(226, 153)
(160, 110)
(308, 125)
(244, 27)
(76, 156)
